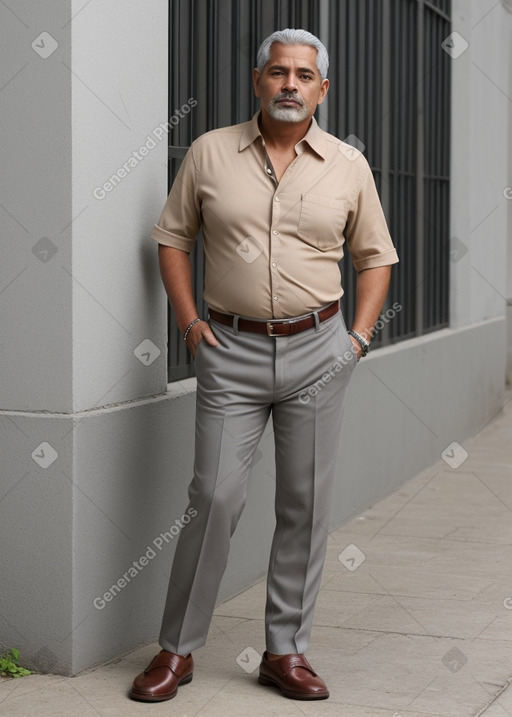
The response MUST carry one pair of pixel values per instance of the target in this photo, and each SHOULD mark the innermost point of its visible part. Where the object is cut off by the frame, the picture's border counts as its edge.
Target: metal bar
(420, 171)
(323, 35)
(385, 128)
(435, 8)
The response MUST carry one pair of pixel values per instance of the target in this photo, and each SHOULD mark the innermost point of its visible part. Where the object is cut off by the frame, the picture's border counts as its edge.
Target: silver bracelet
(189, 327)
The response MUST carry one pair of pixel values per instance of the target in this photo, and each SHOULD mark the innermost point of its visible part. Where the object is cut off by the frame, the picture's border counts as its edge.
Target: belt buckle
(283, 322)
(270, 325)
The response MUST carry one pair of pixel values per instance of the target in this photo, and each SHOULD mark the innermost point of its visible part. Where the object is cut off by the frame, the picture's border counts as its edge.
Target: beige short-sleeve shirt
(272, 248)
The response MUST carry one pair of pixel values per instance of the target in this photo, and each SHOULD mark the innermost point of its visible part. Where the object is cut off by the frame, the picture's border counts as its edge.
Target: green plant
(9, 666)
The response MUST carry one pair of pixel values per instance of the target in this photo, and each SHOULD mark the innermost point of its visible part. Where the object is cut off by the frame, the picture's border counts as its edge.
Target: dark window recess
(389, 95)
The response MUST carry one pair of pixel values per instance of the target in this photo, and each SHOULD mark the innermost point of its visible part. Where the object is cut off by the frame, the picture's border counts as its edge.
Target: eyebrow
(285, 69)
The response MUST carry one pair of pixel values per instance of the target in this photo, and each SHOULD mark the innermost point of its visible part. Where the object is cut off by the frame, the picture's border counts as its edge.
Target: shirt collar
(313, 137)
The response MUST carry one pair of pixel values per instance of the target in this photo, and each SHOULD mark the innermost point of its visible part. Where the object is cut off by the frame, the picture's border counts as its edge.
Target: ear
(255, 81)
(323, 91)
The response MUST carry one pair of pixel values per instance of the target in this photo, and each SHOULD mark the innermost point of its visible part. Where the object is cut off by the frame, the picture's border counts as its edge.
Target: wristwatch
(365, 346)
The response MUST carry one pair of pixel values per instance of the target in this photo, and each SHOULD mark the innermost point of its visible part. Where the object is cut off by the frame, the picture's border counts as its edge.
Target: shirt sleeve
(366, 232)
(180, 219)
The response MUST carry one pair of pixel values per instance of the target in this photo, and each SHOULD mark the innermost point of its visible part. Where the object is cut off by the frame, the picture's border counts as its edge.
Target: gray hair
(294, 37)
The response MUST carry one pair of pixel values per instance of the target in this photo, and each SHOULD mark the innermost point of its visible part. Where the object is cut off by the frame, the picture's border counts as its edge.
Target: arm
(372, 287)
(176, 275)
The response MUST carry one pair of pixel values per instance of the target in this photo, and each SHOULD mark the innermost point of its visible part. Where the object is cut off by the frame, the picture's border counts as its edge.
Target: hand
(200, 331)
(356, 347)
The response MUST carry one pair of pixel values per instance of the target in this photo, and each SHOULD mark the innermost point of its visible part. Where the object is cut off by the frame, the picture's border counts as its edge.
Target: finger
(209, 337)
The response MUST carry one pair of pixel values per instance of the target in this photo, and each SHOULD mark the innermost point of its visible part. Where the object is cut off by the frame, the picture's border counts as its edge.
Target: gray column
(83, 95)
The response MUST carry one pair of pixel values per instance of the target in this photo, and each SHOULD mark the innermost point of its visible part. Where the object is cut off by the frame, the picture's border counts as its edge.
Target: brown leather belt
(278, 327)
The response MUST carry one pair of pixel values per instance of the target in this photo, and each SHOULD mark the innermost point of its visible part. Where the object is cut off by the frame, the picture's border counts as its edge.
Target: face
(290, 86)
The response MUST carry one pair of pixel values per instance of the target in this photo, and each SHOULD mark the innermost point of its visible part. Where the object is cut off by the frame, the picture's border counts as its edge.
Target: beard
(287, 114)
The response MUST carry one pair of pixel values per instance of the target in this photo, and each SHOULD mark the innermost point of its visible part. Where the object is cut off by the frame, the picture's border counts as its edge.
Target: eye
(306, 77)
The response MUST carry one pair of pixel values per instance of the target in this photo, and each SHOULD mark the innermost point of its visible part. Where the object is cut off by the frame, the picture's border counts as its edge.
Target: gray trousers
(301, 381)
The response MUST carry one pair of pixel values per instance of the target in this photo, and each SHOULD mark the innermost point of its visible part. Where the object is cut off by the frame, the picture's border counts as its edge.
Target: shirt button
(274, 264)
(274, 231)
(276, 199)
(269, 171)
(276, 298)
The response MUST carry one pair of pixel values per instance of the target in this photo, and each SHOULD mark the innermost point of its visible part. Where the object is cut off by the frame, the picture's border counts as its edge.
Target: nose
(290, 83)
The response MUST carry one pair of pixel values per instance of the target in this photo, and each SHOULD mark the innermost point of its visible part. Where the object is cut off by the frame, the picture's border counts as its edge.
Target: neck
(282, 135)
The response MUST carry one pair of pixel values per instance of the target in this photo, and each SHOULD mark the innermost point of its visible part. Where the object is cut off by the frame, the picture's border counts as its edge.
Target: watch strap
(361, 341)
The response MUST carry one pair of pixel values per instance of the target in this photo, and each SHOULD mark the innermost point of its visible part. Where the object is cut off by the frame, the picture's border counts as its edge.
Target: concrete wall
(480, 161)
(508, 196)
(481, 187)
(96, 449)
(82, 89)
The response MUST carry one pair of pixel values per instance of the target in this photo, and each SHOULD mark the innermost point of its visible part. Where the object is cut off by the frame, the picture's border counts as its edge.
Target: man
(276, 198)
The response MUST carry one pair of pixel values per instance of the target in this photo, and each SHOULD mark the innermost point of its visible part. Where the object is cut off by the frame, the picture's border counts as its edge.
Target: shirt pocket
(322, 221)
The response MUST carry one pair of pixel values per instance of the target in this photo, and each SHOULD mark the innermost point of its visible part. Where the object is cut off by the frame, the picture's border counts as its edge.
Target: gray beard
(287, 114)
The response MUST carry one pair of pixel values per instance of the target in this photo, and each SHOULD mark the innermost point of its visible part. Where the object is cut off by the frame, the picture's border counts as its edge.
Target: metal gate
(389, 96)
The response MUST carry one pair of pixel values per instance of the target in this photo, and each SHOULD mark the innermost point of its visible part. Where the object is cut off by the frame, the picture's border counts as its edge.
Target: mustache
(288, 96)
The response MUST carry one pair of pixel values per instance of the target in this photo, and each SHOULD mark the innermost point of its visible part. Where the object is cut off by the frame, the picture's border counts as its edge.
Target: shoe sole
(148, 697)
(292, 695)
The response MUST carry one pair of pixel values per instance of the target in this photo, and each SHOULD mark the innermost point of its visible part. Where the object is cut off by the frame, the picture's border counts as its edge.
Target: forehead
(293, 55)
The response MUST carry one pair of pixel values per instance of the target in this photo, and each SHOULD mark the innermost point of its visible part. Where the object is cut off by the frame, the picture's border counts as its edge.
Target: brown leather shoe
(161, 678)
(294, 676)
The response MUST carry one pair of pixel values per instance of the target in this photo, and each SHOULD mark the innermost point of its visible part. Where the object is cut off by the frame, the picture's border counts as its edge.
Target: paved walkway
(414, 617)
